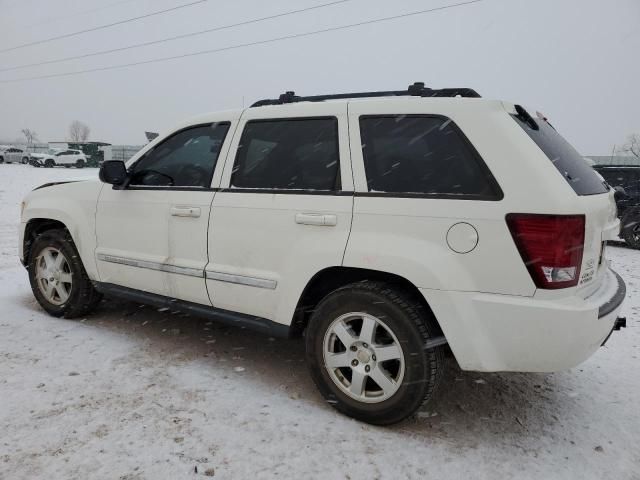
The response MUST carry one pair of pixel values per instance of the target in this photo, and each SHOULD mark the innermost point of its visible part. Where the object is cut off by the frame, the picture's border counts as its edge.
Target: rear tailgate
(601, 225)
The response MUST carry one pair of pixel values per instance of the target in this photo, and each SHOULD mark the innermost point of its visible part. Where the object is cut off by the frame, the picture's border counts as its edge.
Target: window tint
(296, 154)
(423, 154)
(571, 165)
(186, 159)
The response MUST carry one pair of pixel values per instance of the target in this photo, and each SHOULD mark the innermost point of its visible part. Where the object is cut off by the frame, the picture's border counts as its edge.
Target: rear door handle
(320, 219)
(185, 211)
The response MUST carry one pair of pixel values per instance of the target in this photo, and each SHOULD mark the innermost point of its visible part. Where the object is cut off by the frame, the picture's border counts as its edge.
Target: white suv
(382, 226)
(53, 157)
(13, 155)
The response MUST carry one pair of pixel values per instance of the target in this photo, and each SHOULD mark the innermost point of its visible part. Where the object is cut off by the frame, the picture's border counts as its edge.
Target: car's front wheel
(25, 160)
(80, 164)
(366, 351)
(58, 279)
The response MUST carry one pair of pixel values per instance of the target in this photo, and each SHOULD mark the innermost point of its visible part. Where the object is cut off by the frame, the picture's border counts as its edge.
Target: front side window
(186, 159)
(291, 154)
(428, 155)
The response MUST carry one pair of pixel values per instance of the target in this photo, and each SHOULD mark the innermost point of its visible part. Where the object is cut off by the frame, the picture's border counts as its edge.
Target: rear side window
(573, 167)
(411, 154)
(291, 154)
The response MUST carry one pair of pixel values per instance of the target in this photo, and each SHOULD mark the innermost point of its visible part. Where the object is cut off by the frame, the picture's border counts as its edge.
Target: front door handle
(320, 219)
(185, 211)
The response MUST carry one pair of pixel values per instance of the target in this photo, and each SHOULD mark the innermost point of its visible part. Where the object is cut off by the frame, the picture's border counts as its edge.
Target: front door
(152, 235)
(284, 212)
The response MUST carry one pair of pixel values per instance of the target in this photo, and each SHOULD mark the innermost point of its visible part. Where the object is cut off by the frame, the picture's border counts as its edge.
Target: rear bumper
(490, 332)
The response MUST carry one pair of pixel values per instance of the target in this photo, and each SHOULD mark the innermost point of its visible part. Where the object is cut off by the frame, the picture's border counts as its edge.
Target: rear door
(284, 211)
(62, 158)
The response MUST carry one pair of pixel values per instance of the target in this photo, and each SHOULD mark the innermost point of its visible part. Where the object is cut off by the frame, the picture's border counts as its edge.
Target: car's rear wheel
(25, 160)
(1, 159)
(631, 228)
(365, 348)
(49, 163)
(58, 279)
(80, 164)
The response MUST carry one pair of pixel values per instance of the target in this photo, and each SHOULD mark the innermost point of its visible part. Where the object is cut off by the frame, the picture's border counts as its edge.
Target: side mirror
(619, 193)
(113, 172)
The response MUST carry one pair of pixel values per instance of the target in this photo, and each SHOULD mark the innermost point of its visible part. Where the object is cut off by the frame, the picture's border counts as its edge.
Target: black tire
(409, 323)
(25, 160)
(49, 163)
(1, 159)
(83, 297)
(631, 228)
(80, 164)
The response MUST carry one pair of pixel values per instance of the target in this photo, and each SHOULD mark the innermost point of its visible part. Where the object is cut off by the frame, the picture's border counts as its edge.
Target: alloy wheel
(54, 276)
(363, 357)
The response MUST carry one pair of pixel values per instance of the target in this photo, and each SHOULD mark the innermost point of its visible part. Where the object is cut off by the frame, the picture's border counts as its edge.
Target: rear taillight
(551, 247)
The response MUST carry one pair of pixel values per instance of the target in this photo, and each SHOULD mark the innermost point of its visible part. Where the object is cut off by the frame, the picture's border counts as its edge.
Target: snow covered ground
(134, 393)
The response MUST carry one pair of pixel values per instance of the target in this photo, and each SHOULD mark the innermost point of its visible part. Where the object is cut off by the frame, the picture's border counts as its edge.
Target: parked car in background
(13, 155)
(54, 158)
(625, 179)
(380, 229)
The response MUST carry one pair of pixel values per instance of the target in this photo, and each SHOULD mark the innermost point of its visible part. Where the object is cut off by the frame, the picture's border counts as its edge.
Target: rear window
(571, 165)
(424, 155)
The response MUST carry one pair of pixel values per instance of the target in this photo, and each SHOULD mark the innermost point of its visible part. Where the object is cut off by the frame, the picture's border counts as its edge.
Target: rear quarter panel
(408, 236)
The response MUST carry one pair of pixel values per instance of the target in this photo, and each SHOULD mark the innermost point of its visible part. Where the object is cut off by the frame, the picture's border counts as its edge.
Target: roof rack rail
(416, 90)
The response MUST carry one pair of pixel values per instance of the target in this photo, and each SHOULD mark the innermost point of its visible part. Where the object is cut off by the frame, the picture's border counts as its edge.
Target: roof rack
(416, 90)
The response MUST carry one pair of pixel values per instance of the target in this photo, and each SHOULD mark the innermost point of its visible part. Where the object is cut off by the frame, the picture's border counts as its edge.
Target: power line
(243, 45)
(177, 37)
(102, 27)
(75, 14)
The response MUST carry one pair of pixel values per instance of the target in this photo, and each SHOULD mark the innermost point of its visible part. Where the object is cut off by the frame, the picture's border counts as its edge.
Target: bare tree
(632, 147)
(78, 131)
(30, 135)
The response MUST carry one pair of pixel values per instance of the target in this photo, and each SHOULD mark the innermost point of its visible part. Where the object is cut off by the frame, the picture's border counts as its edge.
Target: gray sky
(574, 60)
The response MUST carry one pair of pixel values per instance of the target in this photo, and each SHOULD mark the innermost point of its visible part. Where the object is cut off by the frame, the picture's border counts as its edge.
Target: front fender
(74, 205)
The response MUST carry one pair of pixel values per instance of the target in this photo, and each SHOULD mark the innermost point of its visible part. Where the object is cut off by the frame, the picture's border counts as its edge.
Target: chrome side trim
(241, 280)
(162, 267)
